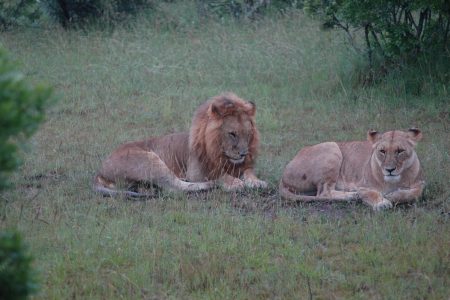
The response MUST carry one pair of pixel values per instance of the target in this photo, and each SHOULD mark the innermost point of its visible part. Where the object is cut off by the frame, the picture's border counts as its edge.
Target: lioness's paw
(382, 205)
(256, 184)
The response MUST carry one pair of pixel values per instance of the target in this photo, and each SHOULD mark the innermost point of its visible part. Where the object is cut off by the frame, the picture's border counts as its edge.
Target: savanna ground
(146, 80)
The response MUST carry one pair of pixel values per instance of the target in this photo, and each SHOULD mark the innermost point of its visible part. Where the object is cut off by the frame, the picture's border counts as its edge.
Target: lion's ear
(415, 134)
(221, 108)
(251, 110)
(373, 136)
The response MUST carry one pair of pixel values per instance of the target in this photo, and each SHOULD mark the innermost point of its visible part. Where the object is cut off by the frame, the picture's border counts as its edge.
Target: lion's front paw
(256, 184)
(201, 186)
(382, 205)
(233, 185)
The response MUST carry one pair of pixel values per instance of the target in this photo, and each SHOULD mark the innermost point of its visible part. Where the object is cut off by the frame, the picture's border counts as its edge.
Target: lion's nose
(390, 169)
(243, 153)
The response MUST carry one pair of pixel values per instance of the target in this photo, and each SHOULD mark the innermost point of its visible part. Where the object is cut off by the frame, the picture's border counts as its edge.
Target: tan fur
(190, 161)
(382, 171)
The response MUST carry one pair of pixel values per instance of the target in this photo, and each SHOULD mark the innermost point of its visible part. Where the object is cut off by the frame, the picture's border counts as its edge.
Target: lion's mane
(205, 134)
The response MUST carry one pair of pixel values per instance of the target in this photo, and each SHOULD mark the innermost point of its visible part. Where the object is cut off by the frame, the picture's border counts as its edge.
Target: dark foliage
(22, 108)
(17, 279)
(397, 31)
(22, 12)
(86, 12)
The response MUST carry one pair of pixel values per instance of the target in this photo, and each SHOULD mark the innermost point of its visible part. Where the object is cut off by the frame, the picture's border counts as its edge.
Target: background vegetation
(145, 78)
(21, 110)
(399, 32)
(17, 279)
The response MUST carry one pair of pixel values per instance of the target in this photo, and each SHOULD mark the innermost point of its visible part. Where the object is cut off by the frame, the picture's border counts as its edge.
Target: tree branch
(447, 29)
(369, 47)
(347, 31)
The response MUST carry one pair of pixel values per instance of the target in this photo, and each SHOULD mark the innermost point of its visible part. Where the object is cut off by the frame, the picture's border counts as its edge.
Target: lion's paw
(202, 186)
(256, 184)
(235, 185)
(382, 205)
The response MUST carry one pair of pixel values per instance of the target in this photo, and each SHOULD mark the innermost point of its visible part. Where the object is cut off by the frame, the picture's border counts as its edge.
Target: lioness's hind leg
(315, 169)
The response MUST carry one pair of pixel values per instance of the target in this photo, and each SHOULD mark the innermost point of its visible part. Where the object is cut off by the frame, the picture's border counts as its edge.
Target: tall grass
(147, 79)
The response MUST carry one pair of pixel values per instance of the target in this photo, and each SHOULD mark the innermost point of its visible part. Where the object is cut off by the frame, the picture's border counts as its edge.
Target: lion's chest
(355, 158)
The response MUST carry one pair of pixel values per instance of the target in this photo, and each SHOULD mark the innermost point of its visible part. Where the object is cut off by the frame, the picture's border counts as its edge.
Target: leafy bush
(18, 12)
(83, 12)
(22, 108)
(397, 30)
(17, 280)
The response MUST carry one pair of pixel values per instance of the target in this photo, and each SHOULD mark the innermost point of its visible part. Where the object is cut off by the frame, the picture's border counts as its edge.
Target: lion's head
(393, 152)
(223, 135)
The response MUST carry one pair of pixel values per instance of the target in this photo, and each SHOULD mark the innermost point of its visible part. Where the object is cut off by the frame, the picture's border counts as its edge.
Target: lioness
(221, 146)
(381, 171)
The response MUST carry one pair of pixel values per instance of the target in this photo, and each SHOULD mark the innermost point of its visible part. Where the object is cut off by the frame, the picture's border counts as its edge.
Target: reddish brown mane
(204, 135)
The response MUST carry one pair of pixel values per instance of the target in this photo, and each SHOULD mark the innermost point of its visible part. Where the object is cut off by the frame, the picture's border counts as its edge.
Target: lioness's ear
(373, 136)
(415, 134)
(221, 107)
(251, 108)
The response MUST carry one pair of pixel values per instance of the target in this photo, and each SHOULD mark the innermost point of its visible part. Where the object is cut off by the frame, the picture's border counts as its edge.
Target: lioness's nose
(390, 169)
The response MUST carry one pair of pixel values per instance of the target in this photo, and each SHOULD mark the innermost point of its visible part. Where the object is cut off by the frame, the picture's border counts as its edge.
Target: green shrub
(18, 12)
(86, 12)
(17, 280)
(397, 31)
(22, 108)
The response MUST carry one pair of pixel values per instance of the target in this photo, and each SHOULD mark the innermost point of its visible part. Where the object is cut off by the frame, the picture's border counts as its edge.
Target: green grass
(146, 80)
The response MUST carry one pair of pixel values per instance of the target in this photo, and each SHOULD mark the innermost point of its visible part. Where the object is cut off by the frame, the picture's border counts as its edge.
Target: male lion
(381, 171)
(221, 145)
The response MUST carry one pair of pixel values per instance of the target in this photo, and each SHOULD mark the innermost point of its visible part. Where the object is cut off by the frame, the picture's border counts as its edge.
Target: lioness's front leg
(250, 180)
(374, 198)
(406, 195)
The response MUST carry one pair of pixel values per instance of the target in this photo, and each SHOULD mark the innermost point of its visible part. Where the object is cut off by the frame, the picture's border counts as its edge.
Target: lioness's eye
(400, 151)
(382, 151)
(232, 134)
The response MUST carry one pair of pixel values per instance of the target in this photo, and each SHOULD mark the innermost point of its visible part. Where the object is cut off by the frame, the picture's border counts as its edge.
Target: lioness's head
(223, 132)
(393, 151)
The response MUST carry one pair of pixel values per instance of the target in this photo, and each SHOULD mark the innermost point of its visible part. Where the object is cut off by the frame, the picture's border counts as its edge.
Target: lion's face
(394, 152)
(231, 128)
(236, 135)
(224, 136)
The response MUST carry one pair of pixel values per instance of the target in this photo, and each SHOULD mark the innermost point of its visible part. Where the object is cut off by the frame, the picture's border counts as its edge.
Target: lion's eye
(399, 151)
(232, 134)
(382, 151)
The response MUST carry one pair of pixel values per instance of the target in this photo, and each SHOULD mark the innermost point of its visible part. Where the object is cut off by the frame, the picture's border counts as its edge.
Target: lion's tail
(336, 196)
(99, 187)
